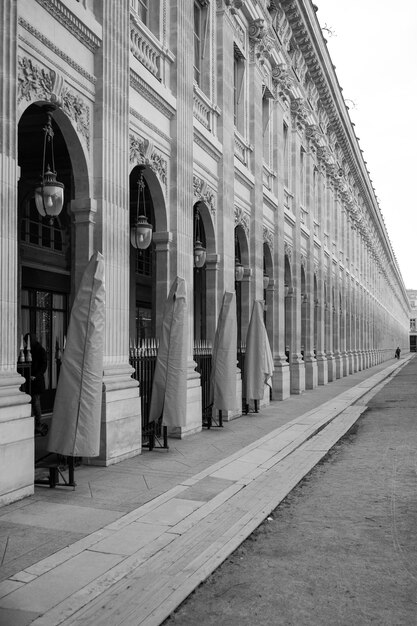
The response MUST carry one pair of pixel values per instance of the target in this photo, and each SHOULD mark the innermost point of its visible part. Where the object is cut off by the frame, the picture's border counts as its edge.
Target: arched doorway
(288, 307)
(304, 312)
(46, 249)
(199, 276)
(142, 262)
(268, 279)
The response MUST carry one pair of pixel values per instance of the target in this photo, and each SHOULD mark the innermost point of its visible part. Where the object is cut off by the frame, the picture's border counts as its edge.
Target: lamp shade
(199, 254)
(239, 271)
(49, 196)
(141, 233)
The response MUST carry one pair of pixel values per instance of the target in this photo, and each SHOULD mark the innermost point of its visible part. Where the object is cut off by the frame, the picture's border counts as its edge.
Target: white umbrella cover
(259, 364)
(76, 418)
(169, 388)
(223, 373)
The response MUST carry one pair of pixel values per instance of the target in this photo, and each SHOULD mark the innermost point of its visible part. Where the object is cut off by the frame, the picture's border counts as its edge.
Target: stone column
(297, 368)
(308, 305)
(121, 417)
(16, 423)
(84, 211)
(225, 221)
(181, 193)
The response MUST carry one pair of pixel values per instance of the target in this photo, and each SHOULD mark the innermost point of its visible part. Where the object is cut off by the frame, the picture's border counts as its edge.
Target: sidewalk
(134, 539)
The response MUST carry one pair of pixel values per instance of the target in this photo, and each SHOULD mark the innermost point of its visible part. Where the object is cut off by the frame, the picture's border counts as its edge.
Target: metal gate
(143, 360)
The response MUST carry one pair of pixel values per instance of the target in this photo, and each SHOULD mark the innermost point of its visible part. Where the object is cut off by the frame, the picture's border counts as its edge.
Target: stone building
(412, 295)
(227, 117)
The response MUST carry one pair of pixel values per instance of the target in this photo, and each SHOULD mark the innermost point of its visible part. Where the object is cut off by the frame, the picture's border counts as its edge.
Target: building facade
(412, 295)
(227, 119)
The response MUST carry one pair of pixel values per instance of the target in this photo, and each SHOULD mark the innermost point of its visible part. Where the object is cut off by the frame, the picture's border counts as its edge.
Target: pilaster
(16, 423)
(182, 197)
(121, 416)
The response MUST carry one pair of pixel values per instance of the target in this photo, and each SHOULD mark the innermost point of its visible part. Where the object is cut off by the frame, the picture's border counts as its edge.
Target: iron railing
(203, 355)
(143, 360)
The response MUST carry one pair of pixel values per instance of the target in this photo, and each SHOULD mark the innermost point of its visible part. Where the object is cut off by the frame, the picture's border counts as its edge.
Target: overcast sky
(373, 47)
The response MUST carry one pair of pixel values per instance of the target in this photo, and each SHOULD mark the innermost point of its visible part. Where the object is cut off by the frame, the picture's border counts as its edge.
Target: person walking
(397, 353)
(37, 377)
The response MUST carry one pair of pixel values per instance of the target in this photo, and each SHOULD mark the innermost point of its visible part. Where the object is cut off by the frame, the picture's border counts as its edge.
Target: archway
(142, 325)
(199, 276)
(47, 251)
(304, 313)
(288, 307)
(268, 292)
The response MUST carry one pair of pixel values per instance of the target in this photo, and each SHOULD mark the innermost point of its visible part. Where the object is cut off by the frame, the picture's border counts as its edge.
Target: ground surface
(342, 548)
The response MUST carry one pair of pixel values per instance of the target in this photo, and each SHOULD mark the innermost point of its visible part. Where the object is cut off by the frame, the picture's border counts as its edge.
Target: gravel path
(342, 548)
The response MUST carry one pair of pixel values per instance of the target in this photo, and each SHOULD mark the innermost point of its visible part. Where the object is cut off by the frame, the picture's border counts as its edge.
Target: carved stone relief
(242, 219)
(38, 83)
(143, 152)
(204, 193)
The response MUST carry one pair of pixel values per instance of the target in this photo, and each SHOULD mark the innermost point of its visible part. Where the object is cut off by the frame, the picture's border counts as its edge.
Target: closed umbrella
(76, 417)
(223, 373)
(169, 388)
(259, 365)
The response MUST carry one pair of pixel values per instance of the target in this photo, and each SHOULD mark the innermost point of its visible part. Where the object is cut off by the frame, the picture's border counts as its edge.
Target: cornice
(204, 143)
(149, 125)
(72, 23)
(144, 89)
(51, 46)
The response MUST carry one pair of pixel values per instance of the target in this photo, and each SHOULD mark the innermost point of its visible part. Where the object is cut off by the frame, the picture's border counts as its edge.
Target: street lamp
(239, 269)
(141, 232)
(49, 196)
(200, 253)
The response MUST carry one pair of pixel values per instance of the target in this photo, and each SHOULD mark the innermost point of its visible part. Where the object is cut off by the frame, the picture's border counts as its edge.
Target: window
(412, 324)
(201, 45)
(148, 11)
(267, 100)
(37, 231)
(143, 10)
(44, 313)
(238, 91)
(286, 156)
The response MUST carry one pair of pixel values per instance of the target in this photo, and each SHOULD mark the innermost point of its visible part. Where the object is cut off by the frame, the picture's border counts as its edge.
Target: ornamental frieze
(142, 152)
(38, 83)
(242, 219)
(33, 82)
(282, 80)
(288, 250)
(233, 5)
(203, 193)
(299, 111)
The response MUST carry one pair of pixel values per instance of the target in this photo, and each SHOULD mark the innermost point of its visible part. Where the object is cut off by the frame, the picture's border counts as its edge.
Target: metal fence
(202, 354)
(143, 359)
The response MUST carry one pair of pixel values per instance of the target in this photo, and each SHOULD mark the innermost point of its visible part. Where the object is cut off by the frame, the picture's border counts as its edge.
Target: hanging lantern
(239, 271)
(200, 253)
(266, 281)
(49, 196)
(141, 232)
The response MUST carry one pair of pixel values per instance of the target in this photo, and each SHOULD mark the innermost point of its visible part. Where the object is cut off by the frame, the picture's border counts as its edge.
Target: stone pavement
(134, 539)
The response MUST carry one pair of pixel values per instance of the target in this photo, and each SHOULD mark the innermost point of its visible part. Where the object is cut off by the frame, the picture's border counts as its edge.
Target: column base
(194, 416)
(322, 369)
(17, 461)
(338, 365)
(228, 416)
(311, 373)
(297, 375)
(281, 379)
(121, 420)
(331, 367)
(345, 364)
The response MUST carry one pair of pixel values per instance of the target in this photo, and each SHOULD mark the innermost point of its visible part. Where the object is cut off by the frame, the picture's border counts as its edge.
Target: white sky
(375, 53)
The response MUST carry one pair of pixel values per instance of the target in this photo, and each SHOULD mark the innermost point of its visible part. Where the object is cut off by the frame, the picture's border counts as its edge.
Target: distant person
(397, 353)
(37, 376)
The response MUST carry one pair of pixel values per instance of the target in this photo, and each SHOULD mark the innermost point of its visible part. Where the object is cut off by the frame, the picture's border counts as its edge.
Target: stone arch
(77, 148)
